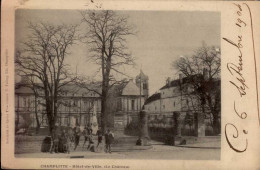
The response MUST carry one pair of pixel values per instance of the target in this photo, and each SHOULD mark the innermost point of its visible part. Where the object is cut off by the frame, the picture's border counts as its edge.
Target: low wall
(28, 144)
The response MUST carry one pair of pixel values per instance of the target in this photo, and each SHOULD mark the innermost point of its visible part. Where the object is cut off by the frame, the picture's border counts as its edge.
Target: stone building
(175, 106)
(76, 104)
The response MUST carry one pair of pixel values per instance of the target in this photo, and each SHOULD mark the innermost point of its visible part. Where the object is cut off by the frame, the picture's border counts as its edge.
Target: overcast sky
(162, 37)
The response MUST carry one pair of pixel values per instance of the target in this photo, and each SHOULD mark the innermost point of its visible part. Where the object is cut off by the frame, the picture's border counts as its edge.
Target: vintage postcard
(130, 85)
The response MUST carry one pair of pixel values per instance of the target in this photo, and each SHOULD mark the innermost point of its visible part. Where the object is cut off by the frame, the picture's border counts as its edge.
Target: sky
(161, 38)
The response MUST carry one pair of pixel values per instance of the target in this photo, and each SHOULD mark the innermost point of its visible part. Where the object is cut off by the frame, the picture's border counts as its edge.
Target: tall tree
(202, 70)
(106, 36)
(42, 57)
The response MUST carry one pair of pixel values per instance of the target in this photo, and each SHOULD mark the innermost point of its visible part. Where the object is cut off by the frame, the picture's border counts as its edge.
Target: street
(156, 152)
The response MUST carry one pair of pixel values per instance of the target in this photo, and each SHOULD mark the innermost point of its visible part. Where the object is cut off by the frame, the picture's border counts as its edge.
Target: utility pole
(143, 127)
(140, 91)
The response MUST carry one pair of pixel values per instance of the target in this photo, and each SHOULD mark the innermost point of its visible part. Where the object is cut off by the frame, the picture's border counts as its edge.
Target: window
(145, 86)
(133, 104)
(119, 104)
(24, 101)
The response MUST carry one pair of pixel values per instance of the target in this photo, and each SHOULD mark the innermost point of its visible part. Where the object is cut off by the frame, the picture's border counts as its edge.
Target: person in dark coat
(90, 130)
(99, 134)
(46, 144)
(64, 142)
(109, 137)
(71, 134)
(77, 136)
(86, 135)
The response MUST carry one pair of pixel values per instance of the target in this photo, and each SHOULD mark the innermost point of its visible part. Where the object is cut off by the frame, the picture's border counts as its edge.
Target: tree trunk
(216, 124)
(36, 116)
(104, 111)
(51, 127)
(37, 126)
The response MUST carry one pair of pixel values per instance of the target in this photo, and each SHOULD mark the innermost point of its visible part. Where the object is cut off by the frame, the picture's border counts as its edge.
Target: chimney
(168, 81)
(180, 77)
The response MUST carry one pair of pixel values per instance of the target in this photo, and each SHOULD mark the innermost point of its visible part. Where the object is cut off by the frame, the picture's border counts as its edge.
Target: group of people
(109, 137)
(63, 142)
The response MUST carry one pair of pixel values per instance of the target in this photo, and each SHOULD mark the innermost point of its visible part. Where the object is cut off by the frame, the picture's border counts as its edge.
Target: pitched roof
(152, 98)
(22, 88)
(142, 75)
(175, 83)
(126, 88)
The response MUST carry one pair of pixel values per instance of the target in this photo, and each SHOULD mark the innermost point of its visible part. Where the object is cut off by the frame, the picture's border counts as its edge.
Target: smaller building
(176, 106)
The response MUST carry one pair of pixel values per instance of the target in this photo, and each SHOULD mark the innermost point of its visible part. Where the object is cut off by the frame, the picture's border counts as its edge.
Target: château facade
(77, 104)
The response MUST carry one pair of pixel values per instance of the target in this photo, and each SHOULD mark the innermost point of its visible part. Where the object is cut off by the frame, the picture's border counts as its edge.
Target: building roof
(71, 89)
(92, 90)
(152, 98)
(128, 88)
(141, 75)
(175, 83)
(23, 90)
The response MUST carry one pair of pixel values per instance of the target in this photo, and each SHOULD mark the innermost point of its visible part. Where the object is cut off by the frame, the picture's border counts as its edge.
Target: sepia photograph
(117, 84)
(93, 84)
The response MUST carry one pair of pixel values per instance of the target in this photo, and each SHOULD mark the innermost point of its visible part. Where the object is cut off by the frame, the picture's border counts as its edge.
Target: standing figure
(91, 143)
(76, 136)
(99, 134)
(90, 130)
(55, 141)
(70, 136)
(109, 137)
(64, 145)
(86, 135)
